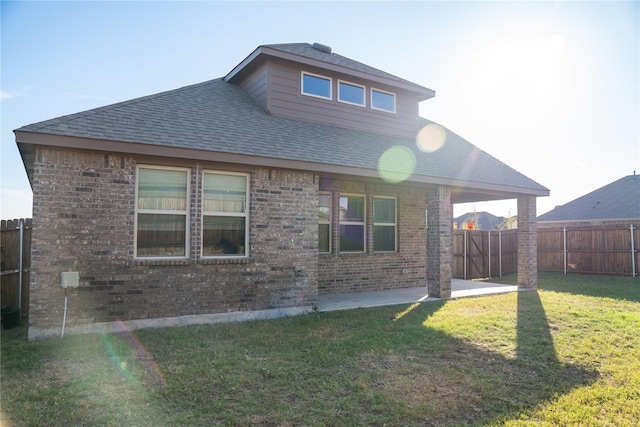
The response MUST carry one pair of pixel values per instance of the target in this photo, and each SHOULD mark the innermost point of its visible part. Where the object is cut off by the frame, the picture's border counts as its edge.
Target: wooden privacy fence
(586, 249)
(589, 249)
(479, 254)
(14, 288)
(476, 254)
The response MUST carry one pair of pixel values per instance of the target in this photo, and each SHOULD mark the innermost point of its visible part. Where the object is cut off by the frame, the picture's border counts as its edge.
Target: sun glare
(520, 79)
(555, 45)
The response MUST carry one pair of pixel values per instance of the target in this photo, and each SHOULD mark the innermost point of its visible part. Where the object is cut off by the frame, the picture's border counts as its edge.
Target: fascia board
(62, 141)
(242, 65)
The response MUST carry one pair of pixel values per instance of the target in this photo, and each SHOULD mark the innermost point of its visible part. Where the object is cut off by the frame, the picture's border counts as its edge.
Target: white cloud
(8, 94)
(15, 204)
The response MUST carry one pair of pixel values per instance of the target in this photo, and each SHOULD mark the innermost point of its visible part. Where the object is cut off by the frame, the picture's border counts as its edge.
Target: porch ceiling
(468, 195)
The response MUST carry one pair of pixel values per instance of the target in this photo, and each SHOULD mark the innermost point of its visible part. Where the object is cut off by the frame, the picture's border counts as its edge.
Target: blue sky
(550, 88)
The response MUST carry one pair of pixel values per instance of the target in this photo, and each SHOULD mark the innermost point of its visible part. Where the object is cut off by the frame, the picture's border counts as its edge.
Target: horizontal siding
(285, 100)
(256, 86)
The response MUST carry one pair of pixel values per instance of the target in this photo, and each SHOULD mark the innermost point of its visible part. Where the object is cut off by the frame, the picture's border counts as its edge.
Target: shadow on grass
(536, 350)
(392, 365)
(468, 384)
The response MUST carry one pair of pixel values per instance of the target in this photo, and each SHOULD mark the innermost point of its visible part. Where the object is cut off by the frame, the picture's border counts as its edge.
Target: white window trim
(388, 93)
(364, 93)
(363, 223)
(329, 222)
(244, 215)
(303, 73)
(187, 239)
(386, 224)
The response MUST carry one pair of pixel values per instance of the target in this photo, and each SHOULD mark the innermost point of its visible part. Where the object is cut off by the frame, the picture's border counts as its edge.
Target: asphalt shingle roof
(618, 200)
(219, 116)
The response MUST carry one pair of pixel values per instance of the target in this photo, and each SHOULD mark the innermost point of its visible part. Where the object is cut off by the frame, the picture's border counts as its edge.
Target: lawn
(568, 354)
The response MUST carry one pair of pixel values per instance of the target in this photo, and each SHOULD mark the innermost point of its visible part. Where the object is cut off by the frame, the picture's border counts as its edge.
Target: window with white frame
(324, 223)
(161, 212)
(384, 224)
(352, 223)
(224, 214)
(351, 93)
(316, 85)
(382, 100)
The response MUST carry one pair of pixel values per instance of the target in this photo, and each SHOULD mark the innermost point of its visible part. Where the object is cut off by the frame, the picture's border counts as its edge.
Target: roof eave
(230, 77)
(460, 188)
(27, 155)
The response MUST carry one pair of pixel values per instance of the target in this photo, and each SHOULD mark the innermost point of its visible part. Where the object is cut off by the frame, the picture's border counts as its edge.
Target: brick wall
(369, 271)
(84, 220)
(83, 208)
(527, 243)
(439, 241)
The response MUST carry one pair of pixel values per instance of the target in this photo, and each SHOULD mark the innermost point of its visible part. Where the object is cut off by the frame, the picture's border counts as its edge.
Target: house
(479, 221)
(617, 203)
(295, 175)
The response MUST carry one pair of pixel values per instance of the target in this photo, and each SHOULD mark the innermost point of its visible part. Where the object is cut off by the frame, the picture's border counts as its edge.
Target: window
(224, 214)
(352, 224)
(161, 212)
(385, 101)
(350, 93)
(384, 224)
(324, 223)
(315, 85)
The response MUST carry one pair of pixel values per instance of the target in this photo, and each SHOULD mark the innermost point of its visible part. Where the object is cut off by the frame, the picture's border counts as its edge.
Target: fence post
(500, 252)
(489, 237)
(564, 248)
(465, 254)
(633, 254)
(20, 250)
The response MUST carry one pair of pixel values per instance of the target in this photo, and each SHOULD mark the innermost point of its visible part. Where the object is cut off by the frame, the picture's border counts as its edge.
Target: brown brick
(370, 271)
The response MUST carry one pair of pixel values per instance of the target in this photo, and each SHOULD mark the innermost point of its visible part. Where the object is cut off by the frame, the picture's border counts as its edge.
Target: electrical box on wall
(69, 279)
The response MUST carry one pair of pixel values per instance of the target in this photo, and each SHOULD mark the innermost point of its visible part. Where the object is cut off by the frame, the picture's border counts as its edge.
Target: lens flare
(396, 164)
(142, 354)
(407, 311)
(431, 138)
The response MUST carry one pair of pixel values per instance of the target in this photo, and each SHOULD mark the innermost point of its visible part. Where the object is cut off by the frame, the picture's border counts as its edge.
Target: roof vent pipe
(322, 47)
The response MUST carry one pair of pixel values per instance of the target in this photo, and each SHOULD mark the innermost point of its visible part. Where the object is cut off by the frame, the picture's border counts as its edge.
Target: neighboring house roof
(485, 220)
(218, 121)
(615, 201)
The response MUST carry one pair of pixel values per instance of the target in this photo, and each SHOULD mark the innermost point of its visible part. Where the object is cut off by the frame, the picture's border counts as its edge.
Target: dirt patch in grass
(434, 392)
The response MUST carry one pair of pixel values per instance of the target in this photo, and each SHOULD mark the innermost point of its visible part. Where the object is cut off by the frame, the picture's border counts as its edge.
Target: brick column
(439, 241)
(527, 243)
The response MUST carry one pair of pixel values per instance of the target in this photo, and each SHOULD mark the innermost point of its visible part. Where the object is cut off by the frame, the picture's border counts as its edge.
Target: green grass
(568, 354)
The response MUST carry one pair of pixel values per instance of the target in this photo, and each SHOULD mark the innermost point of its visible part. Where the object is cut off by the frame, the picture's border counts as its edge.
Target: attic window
(350, 93)
(382, 100)
(316, 85)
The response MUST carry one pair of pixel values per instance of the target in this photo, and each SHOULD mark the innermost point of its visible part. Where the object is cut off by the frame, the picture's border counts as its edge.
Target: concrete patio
(459, 289)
